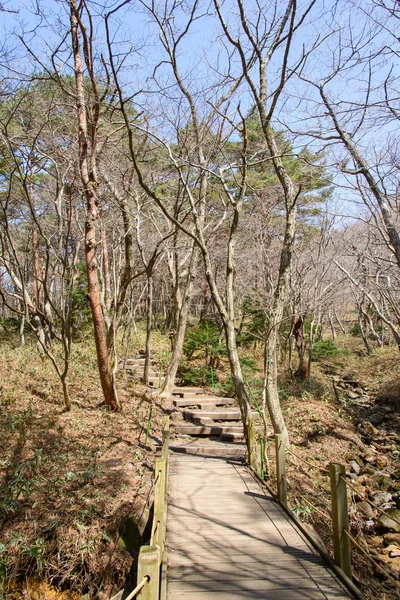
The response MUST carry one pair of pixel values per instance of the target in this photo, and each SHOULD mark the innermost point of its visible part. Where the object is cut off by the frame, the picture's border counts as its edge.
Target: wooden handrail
(151, 557)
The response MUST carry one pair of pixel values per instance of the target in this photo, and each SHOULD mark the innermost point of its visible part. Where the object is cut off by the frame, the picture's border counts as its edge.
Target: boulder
(134, 531)
(385, 522)
(381, 462)
(381, 498)
(376, 419)
(390, 396)
(367, 428)
(366, 509)
(391, 538)
(355, 467)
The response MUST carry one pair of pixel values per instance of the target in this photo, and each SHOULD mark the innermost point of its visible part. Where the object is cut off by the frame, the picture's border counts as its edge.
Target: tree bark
(298, 332)
(89, 181)
(148, 329)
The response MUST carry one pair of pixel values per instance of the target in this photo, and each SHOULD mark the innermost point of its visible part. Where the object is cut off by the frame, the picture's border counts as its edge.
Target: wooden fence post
(281, 468)
(252, 444)
(165, 440)
(149, 566)
(159, 507)
(340, 517)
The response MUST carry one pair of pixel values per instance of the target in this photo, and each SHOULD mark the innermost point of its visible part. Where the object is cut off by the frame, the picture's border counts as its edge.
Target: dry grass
(68, 481)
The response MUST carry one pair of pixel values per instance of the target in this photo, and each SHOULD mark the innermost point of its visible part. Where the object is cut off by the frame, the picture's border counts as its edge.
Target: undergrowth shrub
(327, 348)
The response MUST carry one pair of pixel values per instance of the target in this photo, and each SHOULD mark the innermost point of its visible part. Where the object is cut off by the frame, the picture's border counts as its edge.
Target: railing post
(165, 439)
(252, 444)
(149, 566)
(159, 507)
(340, 517)
(281, 468)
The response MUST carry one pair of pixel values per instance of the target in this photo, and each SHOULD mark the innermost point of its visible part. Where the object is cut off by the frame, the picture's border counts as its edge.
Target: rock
(355, 467)
(352, 395)
(391, 538)
(366, 509)
(370, 458)
(387, 523)
(368, 470)
(358, 490)
(176, 417)
(381, 497)
(133, 531)
(356, 458)
(381, 462)
(376, 419)
(392, 551)
(363, 399)
(367, 428)
(374, 541)
(383, 480)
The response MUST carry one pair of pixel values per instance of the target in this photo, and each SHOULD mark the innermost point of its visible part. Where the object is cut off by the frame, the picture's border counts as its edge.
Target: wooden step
(203, 421)
(216, 415)
(231, 437)
(139, 372)
(205, 401)
(207, 430)
(229, 450)
(184, 392)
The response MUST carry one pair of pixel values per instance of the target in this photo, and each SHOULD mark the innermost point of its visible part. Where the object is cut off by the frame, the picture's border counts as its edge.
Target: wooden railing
(151, 557)
(338, 514)
(339, 509)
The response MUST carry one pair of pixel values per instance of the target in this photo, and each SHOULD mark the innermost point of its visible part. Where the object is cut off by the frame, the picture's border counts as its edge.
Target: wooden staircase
(211, 424)
(136, 365)
(212, 420)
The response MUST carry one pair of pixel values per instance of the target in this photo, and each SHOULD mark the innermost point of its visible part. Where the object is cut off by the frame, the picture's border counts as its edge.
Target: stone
(392, 551)
(376, 419)
(355, 467)
(374, 541)
(391, 538)
(367, 428)
(387, 523)
(352, 395)
(363, 399)
(381, 462)
(368, 470)
(381, 498)
(366, 509)
(133, 531)
(383, 480)
(356, 458)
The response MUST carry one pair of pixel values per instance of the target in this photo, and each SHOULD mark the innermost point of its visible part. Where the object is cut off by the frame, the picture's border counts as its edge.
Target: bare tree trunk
(106, 270)
(339, 323)
(89, 181)
(22, 330)
(362, 330)
(299, 334)
(372, 328)
(181, 313)
(332, 324)
(148, 329)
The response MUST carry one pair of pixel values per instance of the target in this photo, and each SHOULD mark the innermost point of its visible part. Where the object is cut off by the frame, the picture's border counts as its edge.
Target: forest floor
(76, 487)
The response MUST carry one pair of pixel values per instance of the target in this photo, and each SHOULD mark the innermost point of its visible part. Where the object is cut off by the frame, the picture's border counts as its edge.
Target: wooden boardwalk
(227, 539)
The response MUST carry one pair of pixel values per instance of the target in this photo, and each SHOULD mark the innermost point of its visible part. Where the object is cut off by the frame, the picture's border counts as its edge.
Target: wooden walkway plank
(228, 540)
